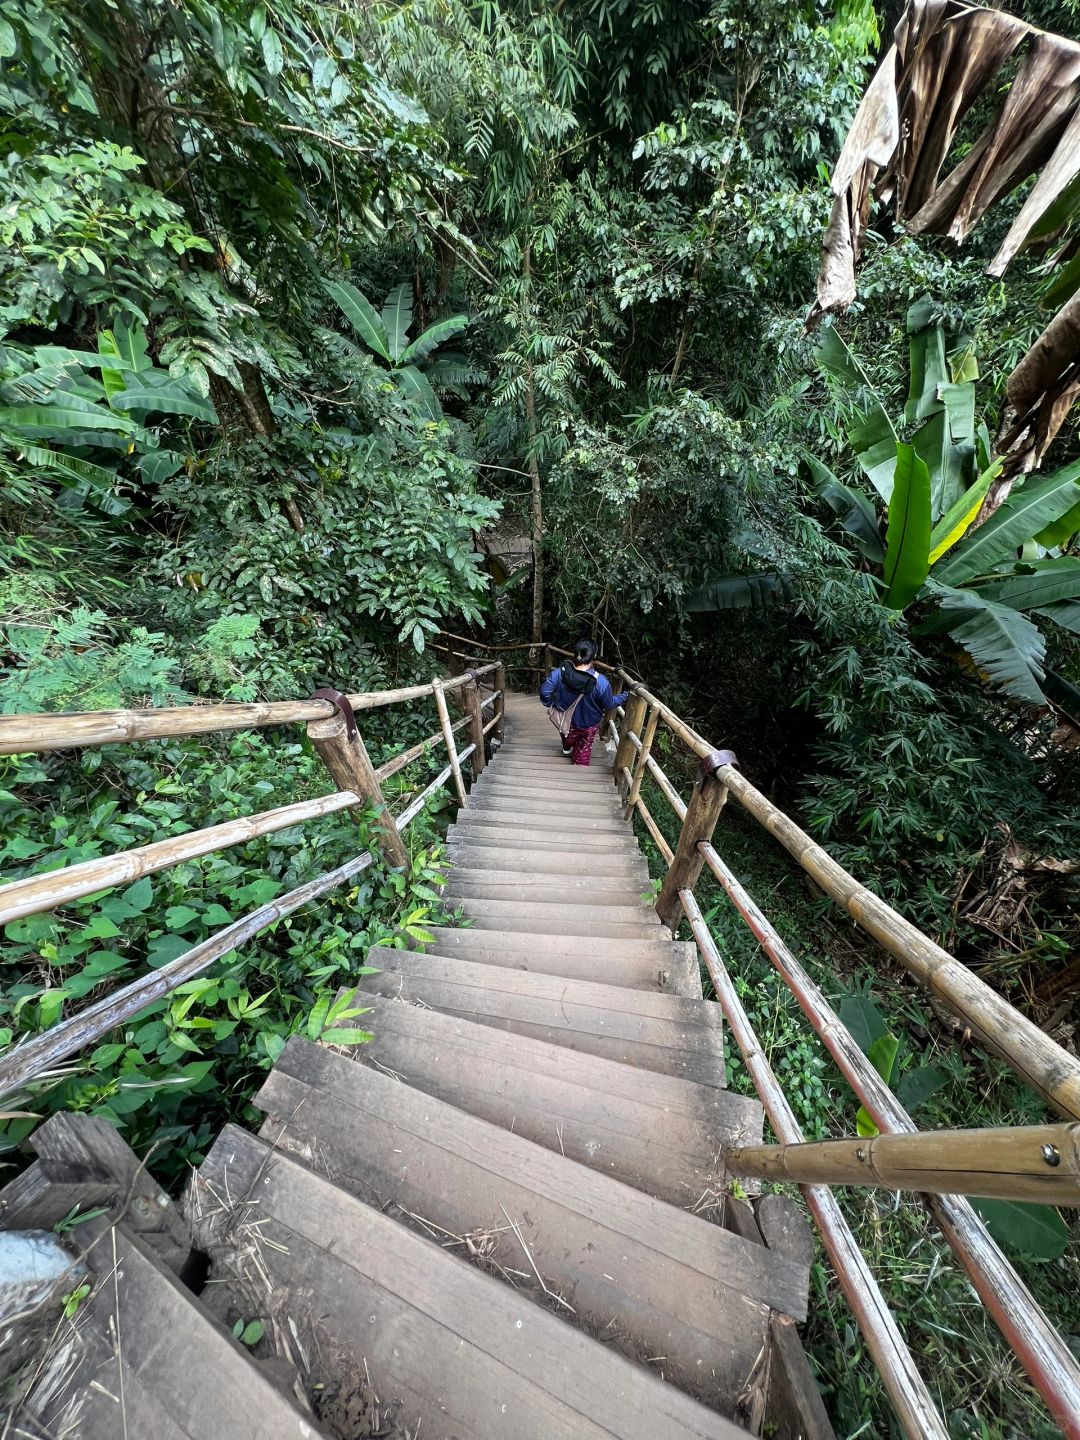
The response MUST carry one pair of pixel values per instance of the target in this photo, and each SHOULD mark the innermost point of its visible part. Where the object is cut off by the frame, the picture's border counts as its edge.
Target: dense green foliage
(297, 302)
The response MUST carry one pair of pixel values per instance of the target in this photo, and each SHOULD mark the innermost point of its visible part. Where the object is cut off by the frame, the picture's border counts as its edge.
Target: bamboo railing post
(448, 737)
(641, 761)
(500, 699)
(549, 659)
(1023, 1162)
(345, 755)
(470, 697)
(624, 756)
(706, 801)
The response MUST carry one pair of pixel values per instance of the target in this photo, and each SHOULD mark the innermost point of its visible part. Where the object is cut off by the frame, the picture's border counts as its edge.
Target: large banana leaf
(741, 592)
(1060, 532)
(928, 367)
(870, 431)
(1065, 613)
(417, 391)
(956, 521)
(432, 336)
(851, 508)
(1043, 583)
(1004, 645)
(396, 319)
(71, 416)
(361, 315)
(907, 540)
(1024, 514)
(169, 397)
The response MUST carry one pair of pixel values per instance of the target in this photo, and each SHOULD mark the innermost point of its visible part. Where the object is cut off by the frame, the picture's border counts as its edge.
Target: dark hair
(584, 652)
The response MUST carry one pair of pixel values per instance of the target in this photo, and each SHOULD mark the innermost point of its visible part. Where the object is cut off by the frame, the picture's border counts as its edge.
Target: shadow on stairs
(503, 1218)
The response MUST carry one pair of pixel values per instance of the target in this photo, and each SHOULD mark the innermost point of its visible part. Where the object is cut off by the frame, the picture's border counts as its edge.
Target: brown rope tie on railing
(714, 761)
(341, 702)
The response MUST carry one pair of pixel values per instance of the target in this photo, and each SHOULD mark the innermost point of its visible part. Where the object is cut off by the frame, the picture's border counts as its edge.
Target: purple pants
(581, 742)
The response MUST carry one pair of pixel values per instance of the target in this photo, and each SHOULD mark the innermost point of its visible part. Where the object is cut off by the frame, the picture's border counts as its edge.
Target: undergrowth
(978, 1384)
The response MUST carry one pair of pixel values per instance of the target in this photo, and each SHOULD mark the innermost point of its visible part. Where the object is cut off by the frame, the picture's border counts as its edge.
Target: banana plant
(388, 335)
(982, 584)
(60, 419)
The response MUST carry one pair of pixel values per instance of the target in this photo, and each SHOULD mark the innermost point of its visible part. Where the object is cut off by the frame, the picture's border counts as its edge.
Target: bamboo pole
(500, 698)
(918, 1415)
(26, 734)
(673, 797)
(1027, 1162)
(655, 831)
(448, 737)
(406, 757)
(342, 750)
(59, 887)
(21, 1064)
(999, 1026)
(624, 756)
(641, 760)
(475, 715)
(1040, 1348)
(706, 801)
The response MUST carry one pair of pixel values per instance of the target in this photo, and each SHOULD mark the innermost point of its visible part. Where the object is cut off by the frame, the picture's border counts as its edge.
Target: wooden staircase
(503, 1218)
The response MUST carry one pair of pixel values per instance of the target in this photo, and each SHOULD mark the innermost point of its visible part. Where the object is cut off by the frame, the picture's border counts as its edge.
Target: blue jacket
(563, 684)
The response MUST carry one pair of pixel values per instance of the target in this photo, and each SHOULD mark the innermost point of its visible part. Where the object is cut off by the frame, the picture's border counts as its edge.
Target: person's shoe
(568, 750)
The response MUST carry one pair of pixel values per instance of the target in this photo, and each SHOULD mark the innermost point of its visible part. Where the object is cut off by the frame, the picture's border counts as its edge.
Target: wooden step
(667, 965)
(468, 853)
(491, 830)
(653, 1279)
(557, 889)
(141, 1357)
(460, 1353)
(547, 919)
(545, 796)
(545, 816)
(653, 1131)
(665, 1033)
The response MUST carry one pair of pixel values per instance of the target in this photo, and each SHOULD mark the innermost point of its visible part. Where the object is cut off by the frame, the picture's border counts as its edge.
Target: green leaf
(1044, 583)
(272, 53)
(434, 335)
(907, 541)
(870, 431)
(1026, 511)
(926, 353)
(252, 1332)
(62, 421)
(139, 897)
(8, 42)
(345, 1037)
(71, 468)
(882, 1055)
(853, 510)
(396, 318)
(916, 1087)
(863, 1019)
(741, 592)
(1060, 532)
(360, 313)
(167, 399)
(416, 390)
(1003, 643)
(1065, 613)
(954, 524)
(178, 917)
(1037, 1231)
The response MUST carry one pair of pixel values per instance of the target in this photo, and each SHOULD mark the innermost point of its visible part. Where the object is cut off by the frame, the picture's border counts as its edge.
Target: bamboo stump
(706, 802)
(345, 755)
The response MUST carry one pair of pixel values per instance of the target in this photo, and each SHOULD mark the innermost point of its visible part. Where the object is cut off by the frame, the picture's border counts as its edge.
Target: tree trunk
(537, 498)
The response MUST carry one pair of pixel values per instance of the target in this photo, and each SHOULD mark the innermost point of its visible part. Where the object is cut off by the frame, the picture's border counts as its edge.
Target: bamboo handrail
(1022, 1162)
(406, 757)
(437, 689)
(53, 888)
(1041, 1350)
(26, 734)
(916, 1411)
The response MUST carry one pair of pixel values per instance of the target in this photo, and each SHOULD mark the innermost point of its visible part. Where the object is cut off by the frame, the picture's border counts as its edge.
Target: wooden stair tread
(651, 1130)
(466, 883)
(496, 856)
(668, 1046)
(155, 1364)
(657, 1280)
(552, 917)
(462, 1353)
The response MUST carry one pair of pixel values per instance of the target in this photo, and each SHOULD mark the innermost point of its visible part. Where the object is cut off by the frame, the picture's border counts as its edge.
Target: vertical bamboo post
(470, 699)
(500, 699)
(549, 659)
(706, 802)
(448, 737)
(642, 760)
(624, 756)
(345, 755)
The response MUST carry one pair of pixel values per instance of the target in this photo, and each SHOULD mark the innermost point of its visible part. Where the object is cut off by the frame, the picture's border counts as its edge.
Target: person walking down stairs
(576, 697)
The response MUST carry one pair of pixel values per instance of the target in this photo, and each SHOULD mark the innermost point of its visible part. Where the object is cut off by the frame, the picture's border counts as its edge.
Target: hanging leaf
(70, 416)
(882, 1055)
(434, 335)
(870, 431)
(417, 391)
(361, 315)
(172, 398)
(1065, 613)
(1060, 532)
(853, 510)
(1025, 512)
(741, 592)
(396, 319)
(1037, 1231)
(1003, 643)
(273, 58)
(907, 540)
